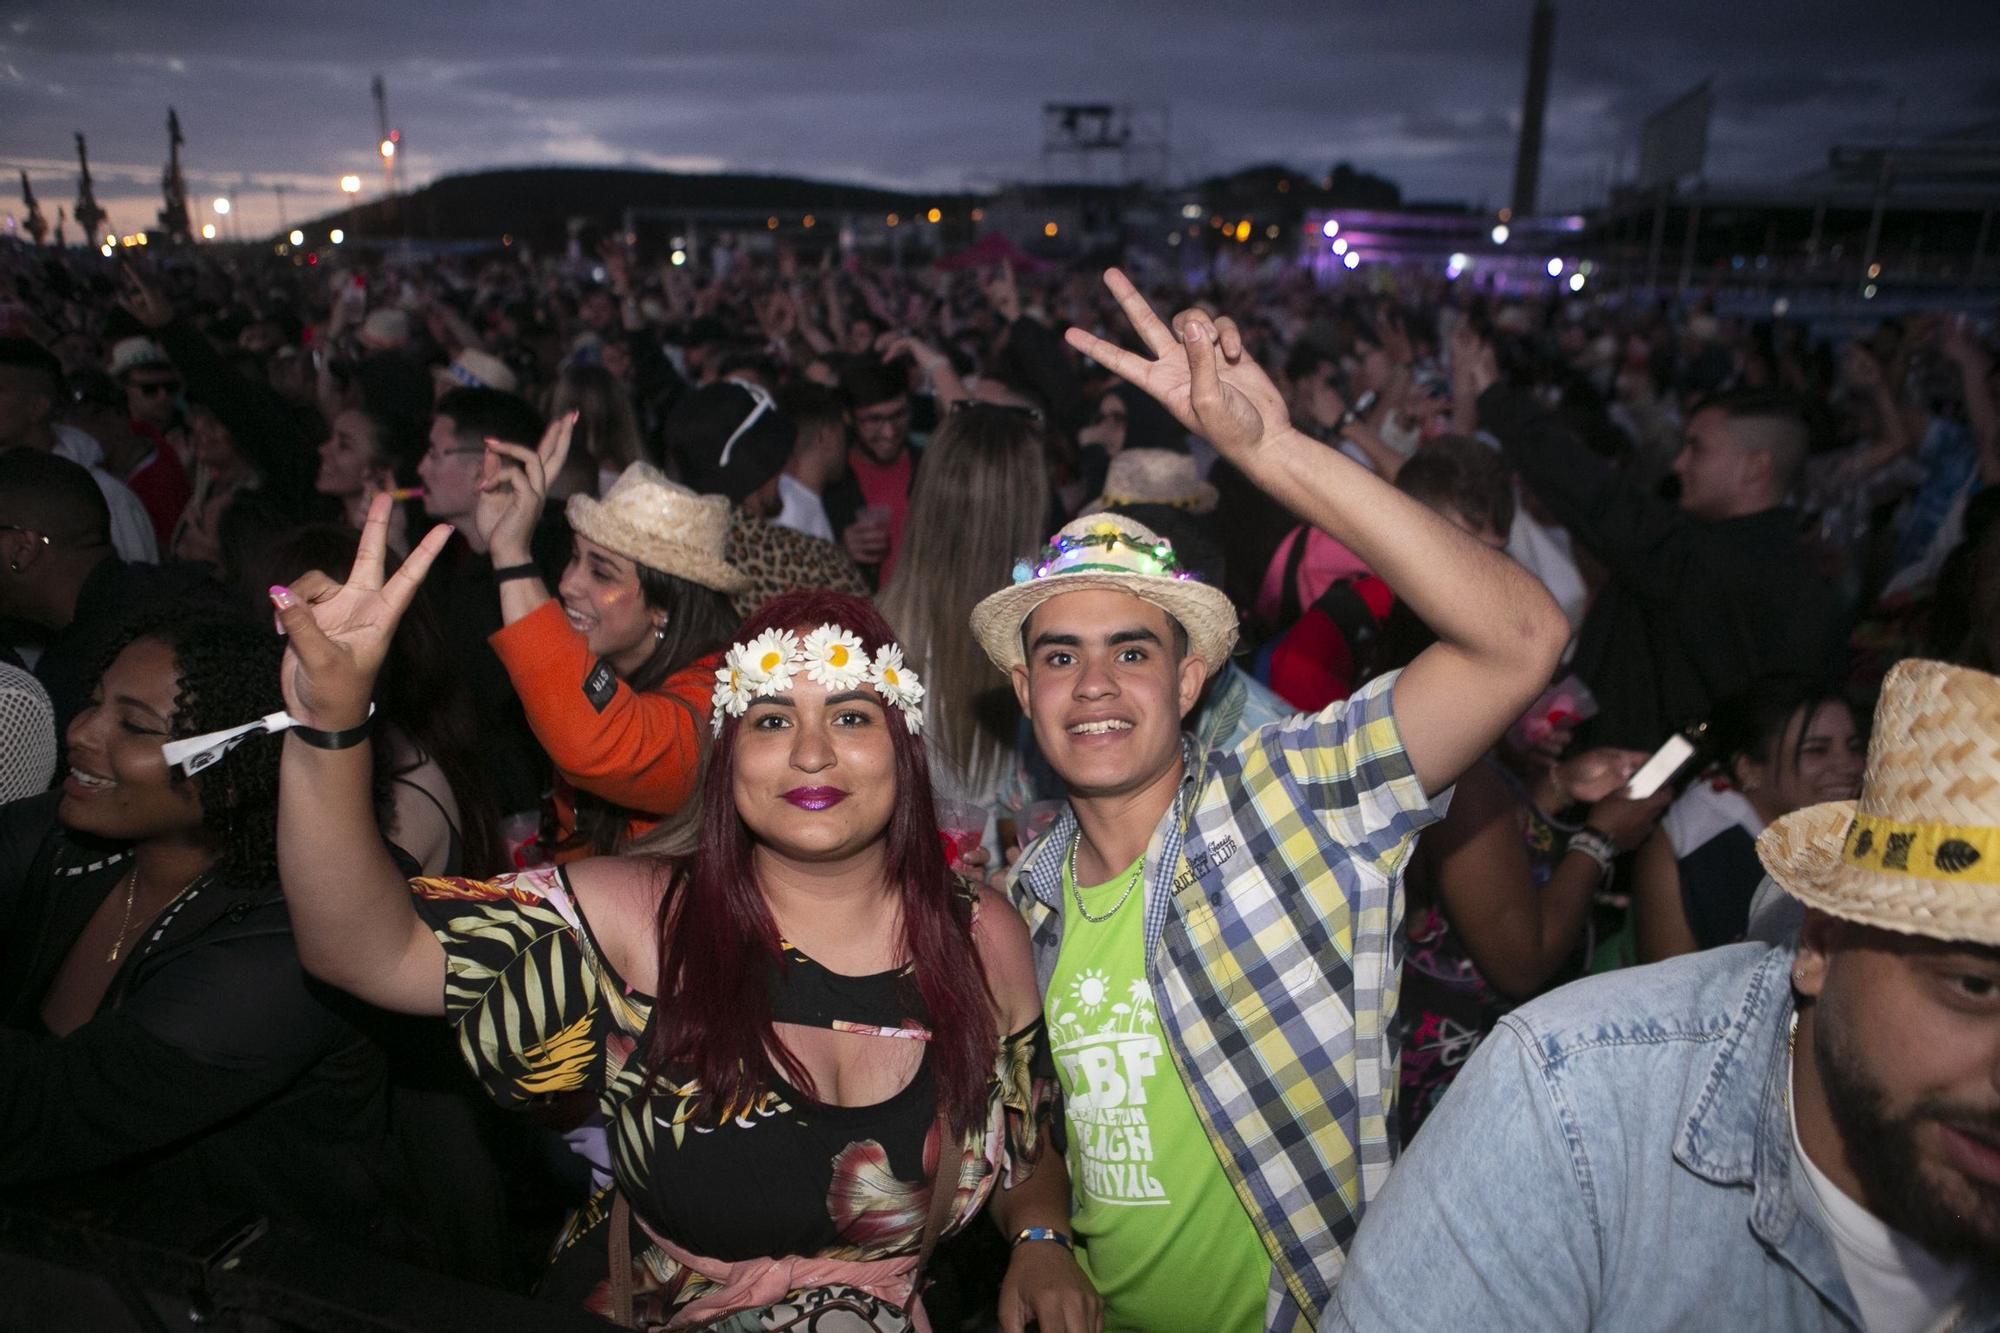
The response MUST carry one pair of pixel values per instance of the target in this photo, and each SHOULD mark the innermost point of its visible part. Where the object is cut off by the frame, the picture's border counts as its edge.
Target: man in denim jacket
(1773, 1138)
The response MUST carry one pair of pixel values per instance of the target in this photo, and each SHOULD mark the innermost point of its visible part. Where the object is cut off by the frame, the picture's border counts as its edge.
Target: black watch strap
(527, 571)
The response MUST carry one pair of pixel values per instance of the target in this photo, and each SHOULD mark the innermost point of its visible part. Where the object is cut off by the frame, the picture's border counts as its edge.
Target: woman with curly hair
(163, 1061)
(817, 1052)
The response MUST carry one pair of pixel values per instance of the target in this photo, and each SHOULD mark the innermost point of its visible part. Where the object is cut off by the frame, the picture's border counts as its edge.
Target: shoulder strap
(1288, 593)
(944, 1192)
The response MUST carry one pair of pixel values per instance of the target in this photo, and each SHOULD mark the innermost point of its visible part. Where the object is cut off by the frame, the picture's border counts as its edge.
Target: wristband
(1026, 1234)
(336, 740)
(1595, 845)
(527, 571)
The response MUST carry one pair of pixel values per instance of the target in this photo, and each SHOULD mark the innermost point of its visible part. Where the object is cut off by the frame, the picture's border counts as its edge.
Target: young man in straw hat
(1216, 933)
(1777, 1138)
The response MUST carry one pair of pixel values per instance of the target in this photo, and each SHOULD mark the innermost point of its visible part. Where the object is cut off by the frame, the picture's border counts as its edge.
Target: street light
(1500, 234)
(297, 237)
(388, 148)
(336, 236)
(350, 184)
(221, 206)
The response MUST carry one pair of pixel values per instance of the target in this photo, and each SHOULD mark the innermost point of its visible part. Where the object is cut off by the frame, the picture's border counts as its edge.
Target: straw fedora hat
(1154, 477)
(661, 524)
(1919, 852)
(1106, 551)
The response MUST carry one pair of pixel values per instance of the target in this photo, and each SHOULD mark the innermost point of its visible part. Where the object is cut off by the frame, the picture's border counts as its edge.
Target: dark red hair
(719, 942)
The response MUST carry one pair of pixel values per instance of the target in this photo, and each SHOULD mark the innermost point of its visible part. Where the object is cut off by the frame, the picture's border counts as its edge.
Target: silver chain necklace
(1076, 890)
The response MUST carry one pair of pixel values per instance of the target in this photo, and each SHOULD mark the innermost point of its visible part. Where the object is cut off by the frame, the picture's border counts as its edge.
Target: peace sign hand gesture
(1201, 373)
(336, 635)
(513, 488)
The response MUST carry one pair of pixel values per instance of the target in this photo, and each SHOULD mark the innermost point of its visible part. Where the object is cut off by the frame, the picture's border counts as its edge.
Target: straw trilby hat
(1154, 477)
(662, 524)
(1106, 551)
(1919, 851)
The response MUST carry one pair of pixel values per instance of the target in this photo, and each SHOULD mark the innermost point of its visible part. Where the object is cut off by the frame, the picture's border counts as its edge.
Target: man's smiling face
(1107, 681)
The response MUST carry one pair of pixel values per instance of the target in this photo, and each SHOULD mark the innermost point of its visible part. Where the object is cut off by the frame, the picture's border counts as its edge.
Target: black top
(1694, 610)
(213, 1080)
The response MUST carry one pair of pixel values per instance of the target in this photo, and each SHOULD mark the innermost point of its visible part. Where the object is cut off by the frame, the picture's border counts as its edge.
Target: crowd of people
(846, 748)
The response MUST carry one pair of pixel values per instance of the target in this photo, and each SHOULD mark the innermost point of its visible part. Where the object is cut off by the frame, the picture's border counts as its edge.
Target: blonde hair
(606, 427)
(981, 501)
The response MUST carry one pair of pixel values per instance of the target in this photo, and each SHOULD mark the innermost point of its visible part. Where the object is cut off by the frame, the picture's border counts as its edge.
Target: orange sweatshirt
(637, 750)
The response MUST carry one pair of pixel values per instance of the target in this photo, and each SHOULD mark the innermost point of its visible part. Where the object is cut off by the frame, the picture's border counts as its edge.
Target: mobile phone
(1664, 764)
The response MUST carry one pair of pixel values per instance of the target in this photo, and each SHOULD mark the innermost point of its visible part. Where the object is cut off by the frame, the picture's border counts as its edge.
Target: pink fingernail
(281, 597)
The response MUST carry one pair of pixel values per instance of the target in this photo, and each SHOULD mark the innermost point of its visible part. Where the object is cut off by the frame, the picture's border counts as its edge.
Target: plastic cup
(963, 825)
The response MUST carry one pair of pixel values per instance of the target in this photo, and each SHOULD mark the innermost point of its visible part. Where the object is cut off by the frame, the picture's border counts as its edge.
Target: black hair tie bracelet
(336, 740)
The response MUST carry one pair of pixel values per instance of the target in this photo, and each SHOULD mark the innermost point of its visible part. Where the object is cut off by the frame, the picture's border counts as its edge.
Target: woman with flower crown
(816, 1050)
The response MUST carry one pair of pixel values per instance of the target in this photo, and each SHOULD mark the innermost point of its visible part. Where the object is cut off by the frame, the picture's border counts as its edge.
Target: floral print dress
(542, 1018)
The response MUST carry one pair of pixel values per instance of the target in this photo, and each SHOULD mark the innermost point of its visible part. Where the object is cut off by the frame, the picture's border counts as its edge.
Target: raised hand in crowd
(143, 301)
(514, 489)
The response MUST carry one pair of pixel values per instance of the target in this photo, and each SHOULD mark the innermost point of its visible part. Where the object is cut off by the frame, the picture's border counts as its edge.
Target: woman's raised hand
(1200, 372)
(513, 487)
(336, 634)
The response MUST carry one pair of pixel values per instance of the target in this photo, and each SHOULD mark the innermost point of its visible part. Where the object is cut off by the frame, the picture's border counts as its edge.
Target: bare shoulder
(1002, 939)
(620, 897)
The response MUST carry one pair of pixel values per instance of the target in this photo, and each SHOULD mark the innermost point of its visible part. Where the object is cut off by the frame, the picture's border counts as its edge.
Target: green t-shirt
(1158, 1227)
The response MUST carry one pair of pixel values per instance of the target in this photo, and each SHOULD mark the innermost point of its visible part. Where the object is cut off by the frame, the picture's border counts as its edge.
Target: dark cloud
(945, 96)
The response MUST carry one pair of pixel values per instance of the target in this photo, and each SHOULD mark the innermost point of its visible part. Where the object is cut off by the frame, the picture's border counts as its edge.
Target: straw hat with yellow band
(663, 525)
(1106, 551)
(1919, 851)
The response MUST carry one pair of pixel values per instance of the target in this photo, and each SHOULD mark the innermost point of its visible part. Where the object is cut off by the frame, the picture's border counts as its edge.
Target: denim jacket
(1617, 1155)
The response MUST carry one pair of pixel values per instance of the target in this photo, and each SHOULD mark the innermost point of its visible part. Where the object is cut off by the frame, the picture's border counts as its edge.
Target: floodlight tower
(390, 141)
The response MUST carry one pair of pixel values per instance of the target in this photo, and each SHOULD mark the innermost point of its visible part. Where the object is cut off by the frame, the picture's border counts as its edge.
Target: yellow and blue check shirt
(1273, 937)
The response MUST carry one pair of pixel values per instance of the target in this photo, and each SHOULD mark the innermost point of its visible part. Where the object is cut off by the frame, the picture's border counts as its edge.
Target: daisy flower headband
(830, 656)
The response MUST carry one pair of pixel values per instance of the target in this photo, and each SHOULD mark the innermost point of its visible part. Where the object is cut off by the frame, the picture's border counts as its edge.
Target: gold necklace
(1076, 890)
(131, 892)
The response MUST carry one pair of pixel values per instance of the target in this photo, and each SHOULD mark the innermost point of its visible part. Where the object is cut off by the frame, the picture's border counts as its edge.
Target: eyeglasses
(959, 405)
(154, 388)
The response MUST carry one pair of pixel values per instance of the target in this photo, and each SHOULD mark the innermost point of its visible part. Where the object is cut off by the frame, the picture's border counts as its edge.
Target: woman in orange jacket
(616, 669)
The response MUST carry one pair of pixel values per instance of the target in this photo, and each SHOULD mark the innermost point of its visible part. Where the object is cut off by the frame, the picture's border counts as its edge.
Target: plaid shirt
(1274, 914)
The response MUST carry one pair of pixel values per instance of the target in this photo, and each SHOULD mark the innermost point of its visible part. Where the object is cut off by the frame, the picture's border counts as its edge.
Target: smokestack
(1534, 103)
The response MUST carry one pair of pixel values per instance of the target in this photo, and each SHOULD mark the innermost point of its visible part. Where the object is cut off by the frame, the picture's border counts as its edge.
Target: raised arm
(1499, 632)
(351, 911)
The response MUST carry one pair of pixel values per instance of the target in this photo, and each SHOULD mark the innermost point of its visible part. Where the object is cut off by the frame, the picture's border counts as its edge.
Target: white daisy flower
(768, 660)
(835, 658)
(898, 684)
(732, 692)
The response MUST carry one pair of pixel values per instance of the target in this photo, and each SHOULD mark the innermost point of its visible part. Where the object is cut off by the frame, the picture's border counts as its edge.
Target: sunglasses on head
(1033, 414)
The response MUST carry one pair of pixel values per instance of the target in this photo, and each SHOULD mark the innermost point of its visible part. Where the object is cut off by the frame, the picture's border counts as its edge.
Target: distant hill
(536, 204)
